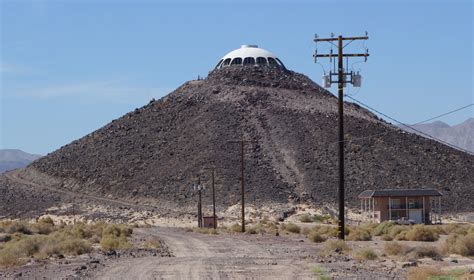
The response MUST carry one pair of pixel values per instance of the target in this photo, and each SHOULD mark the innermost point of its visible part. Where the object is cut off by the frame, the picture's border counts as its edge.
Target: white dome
(249, 55)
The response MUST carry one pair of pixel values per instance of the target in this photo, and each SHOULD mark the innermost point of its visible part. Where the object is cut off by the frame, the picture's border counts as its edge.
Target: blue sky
(70, 67)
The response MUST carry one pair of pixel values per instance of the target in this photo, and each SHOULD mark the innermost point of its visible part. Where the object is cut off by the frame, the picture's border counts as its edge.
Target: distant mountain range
(461, 135)
(12, 158)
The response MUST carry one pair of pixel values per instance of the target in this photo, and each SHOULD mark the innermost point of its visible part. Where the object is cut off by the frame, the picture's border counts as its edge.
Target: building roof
(399, 192)
(249, 55)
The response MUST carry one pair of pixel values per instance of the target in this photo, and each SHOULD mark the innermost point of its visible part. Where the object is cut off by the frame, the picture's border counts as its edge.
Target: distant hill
(12, 158)
(461, 135)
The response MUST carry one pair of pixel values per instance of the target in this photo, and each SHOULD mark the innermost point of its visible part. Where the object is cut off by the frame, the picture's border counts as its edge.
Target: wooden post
(406, 208)
(389, 208)
(424, 211)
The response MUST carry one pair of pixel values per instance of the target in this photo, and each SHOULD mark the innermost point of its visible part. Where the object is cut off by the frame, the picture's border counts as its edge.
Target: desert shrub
(20, 227)
(366, 254)
(46, 220)
(152, 244)
(430, 272)
(422, 233)
(395, 249)
(205, 230)
(252, 230)
(235, 228)
(74, 246)
(383, 228)
(290, 227)
(386, 237)
(398, 232)
(328, 231)
(316, 237)
(306, 218)
(359, 234)
(111, 242)
(332, 245)
(458, 244)
(322, 218)
(425, 252)
(321, 273)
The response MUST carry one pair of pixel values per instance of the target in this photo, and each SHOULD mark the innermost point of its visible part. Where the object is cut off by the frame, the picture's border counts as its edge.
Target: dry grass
(205, 230)
(425, 252)
(395, 249)
(359, 234)
(383, 228)
(366, 254)
(459, 244)
(429, 272)
(43, 239)
(316, 237)
(422, 233)
(333, 245)
(290, 227)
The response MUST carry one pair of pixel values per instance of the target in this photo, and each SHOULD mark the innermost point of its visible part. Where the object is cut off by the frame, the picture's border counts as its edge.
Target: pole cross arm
(343, 38)
(344, 55)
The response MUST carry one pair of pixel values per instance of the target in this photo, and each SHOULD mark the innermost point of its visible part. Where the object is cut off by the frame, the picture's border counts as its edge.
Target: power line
(427, 120)
(405, 125)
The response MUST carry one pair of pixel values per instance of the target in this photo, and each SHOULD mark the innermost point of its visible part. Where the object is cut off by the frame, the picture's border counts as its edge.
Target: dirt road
(224, 256)
(238, 256)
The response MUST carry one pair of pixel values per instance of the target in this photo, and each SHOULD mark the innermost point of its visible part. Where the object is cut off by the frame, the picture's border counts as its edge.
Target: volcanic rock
(156, 152)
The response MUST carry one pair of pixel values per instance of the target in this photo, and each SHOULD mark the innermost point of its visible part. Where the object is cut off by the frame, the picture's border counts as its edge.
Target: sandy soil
(241, 256)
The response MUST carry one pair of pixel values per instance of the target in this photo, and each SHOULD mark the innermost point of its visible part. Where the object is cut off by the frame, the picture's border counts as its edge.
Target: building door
(416, 215)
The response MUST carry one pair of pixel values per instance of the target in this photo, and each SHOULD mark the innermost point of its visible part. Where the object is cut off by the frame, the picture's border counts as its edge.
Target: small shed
(411, 205)
(208, 222)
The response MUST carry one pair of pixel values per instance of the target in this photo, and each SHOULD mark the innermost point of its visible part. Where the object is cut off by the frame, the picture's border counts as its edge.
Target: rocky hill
(154, 153)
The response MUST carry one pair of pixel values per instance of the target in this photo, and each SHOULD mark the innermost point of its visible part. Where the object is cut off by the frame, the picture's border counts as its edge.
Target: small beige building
(418, 206)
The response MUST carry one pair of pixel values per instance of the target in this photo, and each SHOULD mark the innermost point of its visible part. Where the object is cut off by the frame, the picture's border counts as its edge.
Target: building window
(395, 203)
(219, 63)
(226, 62)
(236, 61)
(281, 63)
(249, 61)
(261, 61)
(272, 61)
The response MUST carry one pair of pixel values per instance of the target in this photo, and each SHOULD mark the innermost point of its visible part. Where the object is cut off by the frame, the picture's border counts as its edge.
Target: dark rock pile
(156, 152)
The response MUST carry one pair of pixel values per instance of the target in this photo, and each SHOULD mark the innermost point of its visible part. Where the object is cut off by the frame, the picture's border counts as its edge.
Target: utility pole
(199, 189)
(242, 178)
(213, 199)
(341, 81)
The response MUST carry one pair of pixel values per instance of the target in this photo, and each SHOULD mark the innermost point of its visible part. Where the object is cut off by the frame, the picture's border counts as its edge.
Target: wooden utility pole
(242, 180)
(213, 199)
(199, 203)
(341, 81)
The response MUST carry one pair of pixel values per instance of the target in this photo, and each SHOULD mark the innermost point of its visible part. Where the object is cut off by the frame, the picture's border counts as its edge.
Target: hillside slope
(155, 153)
(12, 158)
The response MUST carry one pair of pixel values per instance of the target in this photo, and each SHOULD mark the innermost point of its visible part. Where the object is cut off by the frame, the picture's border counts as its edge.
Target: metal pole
(214, 201)
(242, 182)
(341, 138)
